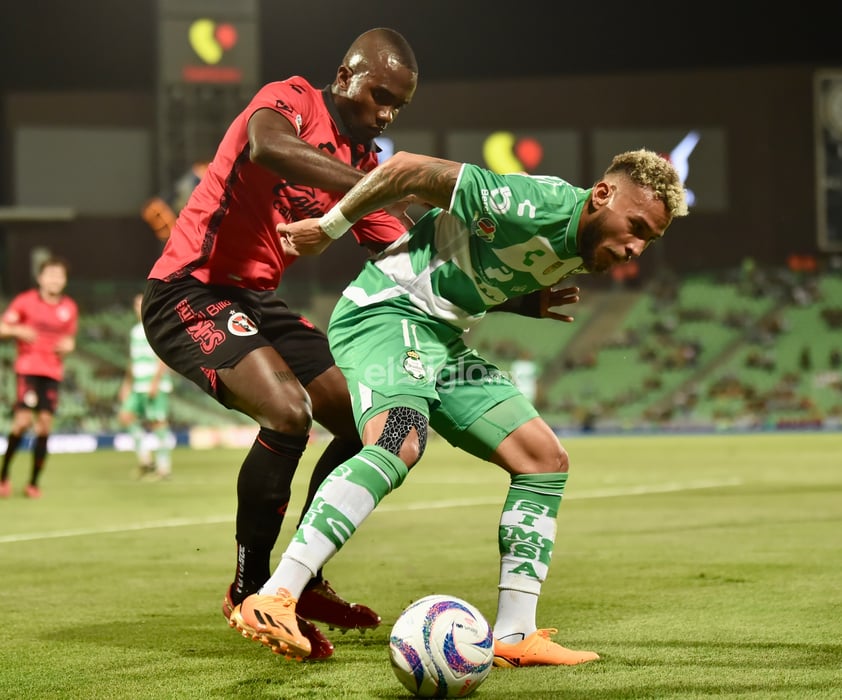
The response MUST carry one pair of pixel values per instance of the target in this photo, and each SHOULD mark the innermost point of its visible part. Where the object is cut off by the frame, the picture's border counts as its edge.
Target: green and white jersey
(144, 363)
(503, 236)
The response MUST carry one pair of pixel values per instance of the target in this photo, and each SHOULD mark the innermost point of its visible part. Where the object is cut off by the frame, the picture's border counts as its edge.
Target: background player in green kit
(397, 336)
(145, 402)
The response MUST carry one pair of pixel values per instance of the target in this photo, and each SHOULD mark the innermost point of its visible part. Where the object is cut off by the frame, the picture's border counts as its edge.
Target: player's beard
(589, 241)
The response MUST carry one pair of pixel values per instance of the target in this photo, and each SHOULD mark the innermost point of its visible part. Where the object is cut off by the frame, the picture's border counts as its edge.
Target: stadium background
(100, 112)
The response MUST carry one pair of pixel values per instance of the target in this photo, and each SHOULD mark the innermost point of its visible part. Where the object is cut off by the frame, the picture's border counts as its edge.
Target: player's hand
(553, 298)
(288, 249)
(398, 210)
(26, 333)
(65, 345)
(305, 237)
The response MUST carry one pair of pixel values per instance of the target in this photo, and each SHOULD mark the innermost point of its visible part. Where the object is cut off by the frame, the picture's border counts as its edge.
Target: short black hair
(54, 261)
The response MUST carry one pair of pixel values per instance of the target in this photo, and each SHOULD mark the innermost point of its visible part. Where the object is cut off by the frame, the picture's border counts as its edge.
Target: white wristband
(334, 223)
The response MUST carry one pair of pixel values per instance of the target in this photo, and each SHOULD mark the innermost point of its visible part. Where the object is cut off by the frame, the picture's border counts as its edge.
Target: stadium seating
(709, 351)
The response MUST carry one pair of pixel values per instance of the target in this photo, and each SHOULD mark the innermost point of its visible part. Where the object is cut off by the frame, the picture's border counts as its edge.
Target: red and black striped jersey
(225, 234)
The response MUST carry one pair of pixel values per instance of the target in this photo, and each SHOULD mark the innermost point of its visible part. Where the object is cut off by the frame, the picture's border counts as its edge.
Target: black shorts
(36, 393)
(198, 329)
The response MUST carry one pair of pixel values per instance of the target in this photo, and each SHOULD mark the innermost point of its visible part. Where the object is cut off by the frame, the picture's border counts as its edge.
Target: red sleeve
(292, 98)
(378, 227)
(15, 313)
(73, 324)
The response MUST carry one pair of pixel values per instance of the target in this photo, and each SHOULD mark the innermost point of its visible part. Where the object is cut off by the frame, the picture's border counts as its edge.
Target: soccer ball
(441, 647)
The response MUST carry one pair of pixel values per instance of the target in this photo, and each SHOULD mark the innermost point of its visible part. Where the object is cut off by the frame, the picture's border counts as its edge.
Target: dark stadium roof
(110, 44)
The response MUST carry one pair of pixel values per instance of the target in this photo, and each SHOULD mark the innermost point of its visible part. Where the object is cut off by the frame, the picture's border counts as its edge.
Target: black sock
(13, 442)
(39, 456)
(263, 492)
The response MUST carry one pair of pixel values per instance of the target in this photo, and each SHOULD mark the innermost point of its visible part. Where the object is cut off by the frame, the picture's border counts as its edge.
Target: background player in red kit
(210, 309)
(44, 322)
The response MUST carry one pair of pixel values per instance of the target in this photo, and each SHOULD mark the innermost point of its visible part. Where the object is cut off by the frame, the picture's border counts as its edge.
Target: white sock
(289, 574)
(163, 463)
(516, 612)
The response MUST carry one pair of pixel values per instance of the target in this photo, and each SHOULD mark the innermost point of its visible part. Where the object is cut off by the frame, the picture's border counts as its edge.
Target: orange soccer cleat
(539, 650)
(320, 646)
(271, 620)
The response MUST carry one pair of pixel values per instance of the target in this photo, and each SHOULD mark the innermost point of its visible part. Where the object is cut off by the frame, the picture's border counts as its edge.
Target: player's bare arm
(404, 175)
(541, 304)
(430, 179)
(274, 144)
(66, 345)
(19, 331)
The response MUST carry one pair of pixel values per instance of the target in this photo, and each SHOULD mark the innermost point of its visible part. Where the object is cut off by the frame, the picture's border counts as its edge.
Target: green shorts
(154, 410)
(393, 355)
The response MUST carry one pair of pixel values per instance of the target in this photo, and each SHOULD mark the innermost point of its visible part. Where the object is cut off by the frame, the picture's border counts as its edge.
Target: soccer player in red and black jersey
(210, 308)
(44, 322)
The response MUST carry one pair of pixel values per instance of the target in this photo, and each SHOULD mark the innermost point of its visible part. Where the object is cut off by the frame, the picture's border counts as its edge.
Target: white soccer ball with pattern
(441, 647)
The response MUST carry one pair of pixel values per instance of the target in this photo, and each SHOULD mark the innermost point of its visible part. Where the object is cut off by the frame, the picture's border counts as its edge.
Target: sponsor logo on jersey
(282, 106)
(199, 327)
(484, 228)
(240, 324)
(218, 306)
(413, 366)
(294, 202)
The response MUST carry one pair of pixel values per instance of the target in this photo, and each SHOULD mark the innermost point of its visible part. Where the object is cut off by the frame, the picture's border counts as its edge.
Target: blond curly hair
(654, 172)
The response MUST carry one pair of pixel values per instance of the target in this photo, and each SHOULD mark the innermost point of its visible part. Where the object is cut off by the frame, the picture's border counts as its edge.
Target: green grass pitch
(697, 566)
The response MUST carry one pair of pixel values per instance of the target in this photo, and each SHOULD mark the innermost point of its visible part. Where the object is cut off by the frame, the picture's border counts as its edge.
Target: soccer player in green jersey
(397, 336)
(144, 403)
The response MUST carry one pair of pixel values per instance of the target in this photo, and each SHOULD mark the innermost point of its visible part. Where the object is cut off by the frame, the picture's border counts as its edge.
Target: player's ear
(343, 76)
(601, 193)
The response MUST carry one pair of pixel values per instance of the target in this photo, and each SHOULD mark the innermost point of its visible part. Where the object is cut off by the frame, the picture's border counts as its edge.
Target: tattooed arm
(400, 179)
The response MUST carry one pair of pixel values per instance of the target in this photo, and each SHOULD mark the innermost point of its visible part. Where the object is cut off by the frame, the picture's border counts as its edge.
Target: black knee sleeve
(398, 424)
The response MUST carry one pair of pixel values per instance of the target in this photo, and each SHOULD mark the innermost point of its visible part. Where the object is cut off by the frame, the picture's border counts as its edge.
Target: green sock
(346, 497)
(528, 528)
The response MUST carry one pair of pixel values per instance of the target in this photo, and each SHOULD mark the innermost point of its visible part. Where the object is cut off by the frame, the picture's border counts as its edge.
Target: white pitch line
(672, 487)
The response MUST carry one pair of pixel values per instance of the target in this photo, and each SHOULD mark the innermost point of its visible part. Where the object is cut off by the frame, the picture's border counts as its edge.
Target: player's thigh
(532, 448)
(331, 402)
(157, 408)
(388, 359)
(303, 346)
(133, 406)
(479, 406)
(306, 350)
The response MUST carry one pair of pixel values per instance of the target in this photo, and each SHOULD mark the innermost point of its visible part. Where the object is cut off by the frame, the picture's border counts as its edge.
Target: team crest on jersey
(63, 314)
(413, 366)
(240, 324)
(484, 228)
